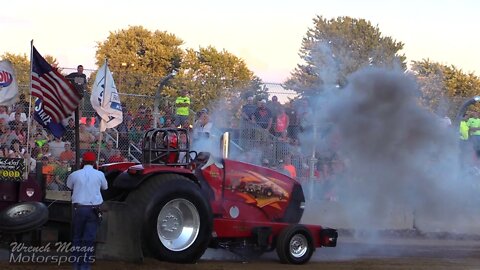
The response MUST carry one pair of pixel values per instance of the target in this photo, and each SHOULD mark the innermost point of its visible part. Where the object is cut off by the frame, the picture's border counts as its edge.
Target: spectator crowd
(265, 125)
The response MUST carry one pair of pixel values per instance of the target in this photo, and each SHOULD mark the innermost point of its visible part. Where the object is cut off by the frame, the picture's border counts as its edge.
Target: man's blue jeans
(85, 224)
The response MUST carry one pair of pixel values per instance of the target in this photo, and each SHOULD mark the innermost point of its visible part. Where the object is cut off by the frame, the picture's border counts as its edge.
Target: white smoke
(398, 155)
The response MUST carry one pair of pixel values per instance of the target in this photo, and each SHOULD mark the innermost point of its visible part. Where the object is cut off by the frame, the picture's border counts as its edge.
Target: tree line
(331, 50)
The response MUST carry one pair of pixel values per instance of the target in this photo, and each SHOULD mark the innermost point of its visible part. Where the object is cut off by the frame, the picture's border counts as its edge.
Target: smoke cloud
(398, 155)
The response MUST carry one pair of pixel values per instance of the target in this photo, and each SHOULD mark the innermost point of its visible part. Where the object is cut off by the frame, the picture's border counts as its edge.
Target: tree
(443, 88)
(335, 48)
(211, 75)
(139, 58)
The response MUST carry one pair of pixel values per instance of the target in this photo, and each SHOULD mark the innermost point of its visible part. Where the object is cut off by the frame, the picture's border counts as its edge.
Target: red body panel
(248, 192)
(121, 166)
(233, 228)
(153, 168)
(143, 169)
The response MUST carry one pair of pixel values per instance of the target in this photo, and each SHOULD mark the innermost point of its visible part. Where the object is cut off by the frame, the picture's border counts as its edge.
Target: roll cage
(169, 146)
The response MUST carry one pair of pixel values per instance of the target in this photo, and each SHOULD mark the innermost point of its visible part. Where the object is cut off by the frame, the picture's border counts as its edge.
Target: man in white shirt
(86, 184)
(56, 147)
(18, 110)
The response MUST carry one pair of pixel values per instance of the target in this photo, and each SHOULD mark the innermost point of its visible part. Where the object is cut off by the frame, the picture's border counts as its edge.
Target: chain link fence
(272, 140)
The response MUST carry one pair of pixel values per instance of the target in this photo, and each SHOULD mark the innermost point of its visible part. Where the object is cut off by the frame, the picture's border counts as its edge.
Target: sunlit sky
(267, 34)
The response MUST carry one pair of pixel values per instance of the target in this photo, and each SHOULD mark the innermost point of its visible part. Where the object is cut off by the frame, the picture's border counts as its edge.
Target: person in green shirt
(463, 130)
(182, 104)
(473, 124)
(464, 143)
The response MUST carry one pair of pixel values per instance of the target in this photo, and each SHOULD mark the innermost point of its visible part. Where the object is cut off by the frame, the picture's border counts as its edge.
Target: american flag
(59, 96)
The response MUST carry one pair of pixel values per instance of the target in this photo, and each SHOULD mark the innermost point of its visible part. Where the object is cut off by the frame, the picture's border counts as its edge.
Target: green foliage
(211, 75)
(444, 86)
(333, 49)
(139, 58)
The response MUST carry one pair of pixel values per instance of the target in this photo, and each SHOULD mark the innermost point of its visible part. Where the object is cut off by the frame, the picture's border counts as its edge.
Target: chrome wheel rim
(178, 224)
(298, 245)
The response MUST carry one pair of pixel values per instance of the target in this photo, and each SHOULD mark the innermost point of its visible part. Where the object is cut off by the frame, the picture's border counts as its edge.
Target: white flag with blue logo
(105, 99)
(8, 84)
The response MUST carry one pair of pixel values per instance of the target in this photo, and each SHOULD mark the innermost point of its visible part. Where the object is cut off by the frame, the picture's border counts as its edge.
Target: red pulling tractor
(178, 203)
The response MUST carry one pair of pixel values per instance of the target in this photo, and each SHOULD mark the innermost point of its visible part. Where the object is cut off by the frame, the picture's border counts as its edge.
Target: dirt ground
(397, 263)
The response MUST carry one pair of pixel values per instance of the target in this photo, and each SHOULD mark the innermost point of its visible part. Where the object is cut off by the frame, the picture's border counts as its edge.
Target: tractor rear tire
(295, 245)
(23, 217)
(176, 218)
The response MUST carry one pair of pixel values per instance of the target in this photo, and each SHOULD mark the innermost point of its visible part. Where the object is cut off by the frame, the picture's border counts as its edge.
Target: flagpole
(29, 147)
(101, 119)
(29, 119)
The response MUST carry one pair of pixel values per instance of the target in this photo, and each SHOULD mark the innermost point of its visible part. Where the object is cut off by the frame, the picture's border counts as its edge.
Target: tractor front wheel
(295, 245)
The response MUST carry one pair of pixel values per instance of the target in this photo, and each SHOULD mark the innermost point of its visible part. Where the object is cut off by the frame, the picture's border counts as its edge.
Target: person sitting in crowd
(16, 151)
(169, 123)
(287, 165)
(108, 150)
(67, 154)
(116, 156)
(248, 110)
(56, 146)
(16, 121)
(86, 138)
(263, 118)
(44, 151)
(90, 126)
(4, 114)
(21, 114)
(20, 132)
(136, 135)
(7, 135)
(282, 121)
(149, 117)
(69, 135)
(60, 174)
(141, 118)
(47, 170)
(40, 139)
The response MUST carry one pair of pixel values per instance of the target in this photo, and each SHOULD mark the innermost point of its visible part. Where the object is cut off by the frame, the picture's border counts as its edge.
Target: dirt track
(398, 263)
(351, 254)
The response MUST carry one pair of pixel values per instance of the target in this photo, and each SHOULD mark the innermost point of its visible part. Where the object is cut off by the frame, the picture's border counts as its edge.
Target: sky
(266, 34)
